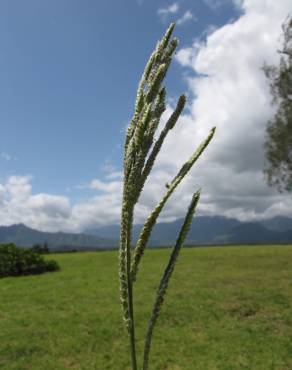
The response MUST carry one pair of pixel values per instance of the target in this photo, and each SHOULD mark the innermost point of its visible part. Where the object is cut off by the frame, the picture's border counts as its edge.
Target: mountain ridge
(26, 237)
(205, 230)
(212, 230)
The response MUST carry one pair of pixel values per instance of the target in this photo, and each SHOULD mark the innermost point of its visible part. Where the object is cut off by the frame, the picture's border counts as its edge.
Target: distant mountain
(277, 223)
(255, 233)
(204, 230)
(24, 236)
(107, 232)
(212, 230)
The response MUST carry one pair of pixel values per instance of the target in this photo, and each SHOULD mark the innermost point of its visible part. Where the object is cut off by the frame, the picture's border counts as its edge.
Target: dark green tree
(46, 249)
(41, 249)
(278, 141)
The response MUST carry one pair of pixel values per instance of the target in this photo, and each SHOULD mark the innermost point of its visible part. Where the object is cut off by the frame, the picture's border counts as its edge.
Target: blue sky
(69, 71)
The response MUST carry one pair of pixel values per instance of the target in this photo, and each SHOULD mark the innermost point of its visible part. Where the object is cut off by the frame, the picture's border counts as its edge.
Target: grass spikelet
(151, 220)
(161, 291)
(139, 158)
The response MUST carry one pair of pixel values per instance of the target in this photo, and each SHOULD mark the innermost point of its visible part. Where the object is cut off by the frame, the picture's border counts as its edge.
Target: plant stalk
(132, 325)
(141, 150)
(161, 291)
(130, 292)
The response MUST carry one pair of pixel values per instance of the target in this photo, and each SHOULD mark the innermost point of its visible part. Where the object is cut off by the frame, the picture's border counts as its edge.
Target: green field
(226, 308)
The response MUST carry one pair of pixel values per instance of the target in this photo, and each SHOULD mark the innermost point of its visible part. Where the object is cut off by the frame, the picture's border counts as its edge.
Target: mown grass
(226, 308)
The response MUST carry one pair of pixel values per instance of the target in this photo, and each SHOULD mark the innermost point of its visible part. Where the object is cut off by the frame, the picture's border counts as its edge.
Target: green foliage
(226, 309)
(16, 261)
(41, 249)
(278, 143)
(141, 151)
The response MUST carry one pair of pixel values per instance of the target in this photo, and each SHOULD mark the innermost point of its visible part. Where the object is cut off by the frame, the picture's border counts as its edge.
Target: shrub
(52, 266)
(16, 261)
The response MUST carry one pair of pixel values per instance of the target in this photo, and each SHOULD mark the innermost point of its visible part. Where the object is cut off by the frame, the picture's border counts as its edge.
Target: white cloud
(230, 91)
(187, 56)
(164, 13)
(187, 16)
(215, 4)
(50, 212)
(107, 187)
(2, 194)
(111, 171)
(227, 89)
(114, 175)
(50, 205)
(7, 157)
(18, 188)
(41, 211)
(99, 210)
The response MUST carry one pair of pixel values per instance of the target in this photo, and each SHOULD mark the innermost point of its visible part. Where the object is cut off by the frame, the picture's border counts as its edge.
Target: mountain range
(213, 230)
(205, 230)
(26, 237)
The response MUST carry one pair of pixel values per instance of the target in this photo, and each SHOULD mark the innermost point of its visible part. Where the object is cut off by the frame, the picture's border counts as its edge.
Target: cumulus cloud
(187, 16)
(187, 56)
(2, 193)
(7, 157)
(111, 172)
(227, 88)
(114, 175)
(41, 211)
(107, 187)
(215, 4)
(50, 212)
(167, 12)
(164, 13)
(103, 209)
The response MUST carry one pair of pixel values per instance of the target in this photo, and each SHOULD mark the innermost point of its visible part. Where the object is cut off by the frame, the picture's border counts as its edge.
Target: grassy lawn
(226, 308)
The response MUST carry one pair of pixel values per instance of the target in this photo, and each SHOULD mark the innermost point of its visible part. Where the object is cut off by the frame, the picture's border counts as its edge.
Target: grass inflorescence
(141, 151)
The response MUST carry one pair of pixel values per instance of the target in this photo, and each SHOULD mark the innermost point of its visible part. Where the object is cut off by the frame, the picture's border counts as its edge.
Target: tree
(41, 249)
(46, 249)
(278, 141)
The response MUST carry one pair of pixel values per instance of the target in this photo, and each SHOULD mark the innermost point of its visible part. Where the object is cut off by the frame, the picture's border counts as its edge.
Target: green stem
(161, 291)
(130, 295)
(132, 325)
